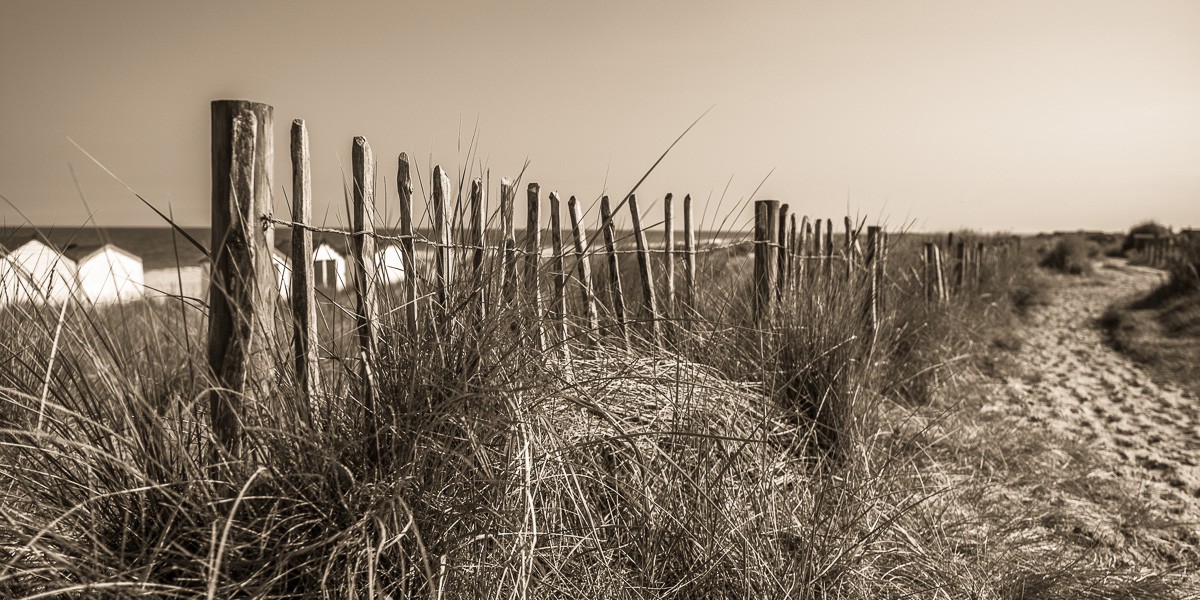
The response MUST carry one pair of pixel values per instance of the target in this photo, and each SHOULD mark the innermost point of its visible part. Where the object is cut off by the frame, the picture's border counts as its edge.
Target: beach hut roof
(82, 252)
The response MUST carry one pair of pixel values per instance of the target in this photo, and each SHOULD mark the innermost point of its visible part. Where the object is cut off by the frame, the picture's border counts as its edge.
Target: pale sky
(1007, 115)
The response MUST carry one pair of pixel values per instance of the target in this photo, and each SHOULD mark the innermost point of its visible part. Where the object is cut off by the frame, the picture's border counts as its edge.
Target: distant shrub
(1072, 255)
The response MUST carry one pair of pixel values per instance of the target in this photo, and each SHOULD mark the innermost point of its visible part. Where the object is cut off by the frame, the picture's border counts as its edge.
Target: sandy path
(1075, 384)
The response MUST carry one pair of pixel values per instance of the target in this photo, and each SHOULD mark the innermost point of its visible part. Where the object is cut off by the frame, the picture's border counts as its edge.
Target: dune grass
(801, 459)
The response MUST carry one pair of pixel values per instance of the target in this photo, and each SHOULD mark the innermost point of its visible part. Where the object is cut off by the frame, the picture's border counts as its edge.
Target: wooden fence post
(960, 269)
(367, 317)
(849, 248)
(242, 286)
(689, 257)
(560, 274)
(477, 248)
(927, 274)
(508, 271)
(942, 295)
(873, 256)
(404, 190)
(304, 301)
(579, 233)
(669, 310)
(766, 264)
(649, 295)
(782, 251)
(829, 249)
(793, 249)
(444, 261)
(614, 270)
(979, 262)
(817, 250)
(806, 230)
(533, 255)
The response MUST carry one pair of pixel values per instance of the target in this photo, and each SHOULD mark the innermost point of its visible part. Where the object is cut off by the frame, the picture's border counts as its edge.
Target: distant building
(329, 267)
(389, 264)
(107, 274)
(38, 274)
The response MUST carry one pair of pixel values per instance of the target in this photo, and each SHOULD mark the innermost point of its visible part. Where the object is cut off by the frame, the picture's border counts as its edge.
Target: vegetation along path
(1146, 433)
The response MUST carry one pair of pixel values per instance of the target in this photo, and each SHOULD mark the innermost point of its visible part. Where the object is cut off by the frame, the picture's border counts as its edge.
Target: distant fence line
(788, 255)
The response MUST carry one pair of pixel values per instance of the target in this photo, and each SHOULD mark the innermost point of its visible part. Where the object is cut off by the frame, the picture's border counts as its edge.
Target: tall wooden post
(806, 230)
(873, 281)
(782, 251)
(849, 248)
(942, 295)
(643, 254)
(669, 257)
(303, 295)
(365, 280)
(614, 270)
(766, 263)
(587, 297)
(477, 240)
(404, 190)
(817, 248)
(242, 287)
(829, 249)
(533, 256)
(508, 271)
(960, 269)
(444, 261)
(560, 274)
(793, 249)
(689, 256)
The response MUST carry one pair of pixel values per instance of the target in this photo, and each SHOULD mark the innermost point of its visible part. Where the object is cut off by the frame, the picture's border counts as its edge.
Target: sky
(1011, 115)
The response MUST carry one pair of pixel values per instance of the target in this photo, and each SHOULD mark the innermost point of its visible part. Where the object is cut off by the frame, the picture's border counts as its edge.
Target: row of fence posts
(970, 262)
(244, 288)
(1156, 250)
(785, 250)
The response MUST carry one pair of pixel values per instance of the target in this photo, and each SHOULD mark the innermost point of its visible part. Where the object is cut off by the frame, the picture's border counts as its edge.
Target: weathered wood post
(444, 261)
(588, 298)
(829, 249)
(560, 274)
(508, 271)
(766, 263)
(478, 296)
(614, 270)
(781, 272)
(242, 287)
(806, 231)
(404, 190)
(849, 248)
(365, 280)
(793, 249)
(689, 257)
(960, 269)
(669, 309)
(980, 260)
(873, 281)
(533, 256)
(649, 295)
(303, 296)
(817, 250)
(943, 296)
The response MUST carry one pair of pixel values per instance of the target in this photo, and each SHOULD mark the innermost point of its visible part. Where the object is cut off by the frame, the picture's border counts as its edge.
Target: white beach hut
(107, 274)
(329, 267)
(40, 274)
(389, 264)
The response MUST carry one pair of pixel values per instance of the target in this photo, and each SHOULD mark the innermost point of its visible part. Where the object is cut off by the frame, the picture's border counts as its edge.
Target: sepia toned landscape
(329, 370)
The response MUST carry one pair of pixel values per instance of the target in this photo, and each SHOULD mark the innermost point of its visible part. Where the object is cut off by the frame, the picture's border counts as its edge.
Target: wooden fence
(788, 257)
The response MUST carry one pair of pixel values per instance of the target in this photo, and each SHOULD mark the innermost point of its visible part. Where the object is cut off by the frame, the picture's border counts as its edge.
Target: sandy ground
(1071, 382)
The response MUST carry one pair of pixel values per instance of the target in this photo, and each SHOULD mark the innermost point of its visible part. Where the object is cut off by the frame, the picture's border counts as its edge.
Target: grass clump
(1072, 255)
